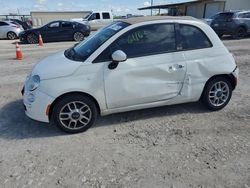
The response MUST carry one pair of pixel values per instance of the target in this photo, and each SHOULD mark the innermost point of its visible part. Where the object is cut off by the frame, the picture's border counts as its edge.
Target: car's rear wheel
(75, 113)
(32, 38)
(240, 33)
(78, 36)
(11, 35)
(217, 93)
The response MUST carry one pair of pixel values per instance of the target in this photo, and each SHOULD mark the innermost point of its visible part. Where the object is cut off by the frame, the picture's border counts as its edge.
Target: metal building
(201, 8)
(40, 18)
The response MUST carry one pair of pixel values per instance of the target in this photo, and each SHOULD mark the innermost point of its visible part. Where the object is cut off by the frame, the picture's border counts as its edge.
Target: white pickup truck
(96, 19)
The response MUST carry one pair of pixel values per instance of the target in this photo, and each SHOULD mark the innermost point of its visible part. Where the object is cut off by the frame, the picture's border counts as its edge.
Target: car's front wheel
(32, 38)
(78, 36)
(11, 35)
(217, 93)
(74, 113)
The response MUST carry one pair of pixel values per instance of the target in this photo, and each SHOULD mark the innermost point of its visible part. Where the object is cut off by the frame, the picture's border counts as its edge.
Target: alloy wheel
(75, 115)
(11, 36)
(78, 36)
(32, 39)
(219, 93)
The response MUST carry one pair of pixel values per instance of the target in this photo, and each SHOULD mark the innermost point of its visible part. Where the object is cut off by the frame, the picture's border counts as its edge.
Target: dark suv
(235, 23)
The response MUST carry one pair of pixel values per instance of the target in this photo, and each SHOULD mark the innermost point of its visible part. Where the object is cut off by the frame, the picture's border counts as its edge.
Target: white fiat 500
(129, 65)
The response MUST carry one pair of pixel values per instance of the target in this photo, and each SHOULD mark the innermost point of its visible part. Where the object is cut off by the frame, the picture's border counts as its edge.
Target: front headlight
(34, 83)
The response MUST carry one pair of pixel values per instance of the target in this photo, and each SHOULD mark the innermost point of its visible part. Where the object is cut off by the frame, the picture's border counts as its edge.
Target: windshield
(86, 17)
(83, 50)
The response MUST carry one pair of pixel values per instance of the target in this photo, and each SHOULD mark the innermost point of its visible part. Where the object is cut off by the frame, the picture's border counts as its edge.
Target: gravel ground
(181, 146)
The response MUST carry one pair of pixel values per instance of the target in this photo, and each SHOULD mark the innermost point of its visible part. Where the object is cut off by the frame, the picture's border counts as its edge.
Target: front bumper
(37, 110)
(235, 74)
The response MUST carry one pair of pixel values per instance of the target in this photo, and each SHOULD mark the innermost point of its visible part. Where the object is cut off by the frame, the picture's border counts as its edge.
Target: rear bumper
(235, 74)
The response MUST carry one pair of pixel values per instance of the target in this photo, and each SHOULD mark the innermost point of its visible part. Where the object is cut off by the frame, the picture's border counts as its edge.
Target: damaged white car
(129, 65)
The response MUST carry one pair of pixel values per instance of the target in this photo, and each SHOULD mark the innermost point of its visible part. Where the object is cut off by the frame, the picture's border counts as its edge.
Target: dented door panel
(139, 81)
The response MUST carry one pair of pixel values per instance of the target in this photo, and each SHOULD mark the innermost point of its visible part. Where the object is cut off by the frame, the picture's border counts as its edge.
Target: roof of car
(136, 20)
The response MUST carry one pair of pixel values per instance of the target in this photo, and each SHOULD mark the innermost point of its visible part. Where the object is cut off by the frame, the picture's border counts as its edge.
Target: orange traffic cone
(19, 54)
(40, 40)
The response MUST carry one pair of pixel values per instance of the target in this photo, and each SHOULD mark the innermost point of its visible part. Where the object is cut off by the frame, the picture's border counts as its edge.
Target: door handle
(175, 67)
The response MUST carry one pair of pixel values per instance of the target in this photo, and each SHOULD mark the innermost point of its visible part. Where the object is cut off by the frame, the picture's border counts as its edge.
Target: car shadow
(14, 124)
(172, 110)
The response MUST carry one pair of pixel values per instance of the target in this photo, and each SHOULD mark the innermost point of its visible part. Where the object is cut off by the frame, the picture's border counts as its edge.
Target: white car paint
(59, 66)
(138, 83)
(4, 29)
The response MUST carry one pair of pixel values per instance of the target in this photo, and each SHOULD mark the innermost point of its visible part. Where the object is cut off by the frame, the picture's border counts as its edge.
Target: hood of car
(55, 66)
(31, 30)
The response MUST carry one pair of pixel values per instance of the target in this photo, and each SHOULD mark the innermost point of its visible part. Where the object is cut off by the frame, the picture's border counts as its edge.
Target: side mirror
(119, 56)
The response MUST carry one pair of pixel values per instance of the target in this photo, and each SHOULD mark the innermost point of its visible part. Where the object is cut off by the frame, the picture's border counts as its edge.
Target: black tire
(78, 36)
(209, 96)
(11, 35)
(32, 38)
(240, 33)
(61, 108)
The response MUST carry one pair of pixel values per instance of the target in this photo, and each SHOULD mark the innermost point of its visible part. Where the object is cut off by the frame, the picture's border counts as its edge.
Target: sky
(119, 7)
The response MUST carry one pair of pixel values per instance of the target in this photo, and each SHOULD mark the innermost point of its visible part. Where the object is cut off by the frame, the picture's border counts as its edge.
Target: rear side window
(245, 15)
(191, 38)
(105, 15)
(143, 41)
(3, 23)
(224, 16)
(54, 25)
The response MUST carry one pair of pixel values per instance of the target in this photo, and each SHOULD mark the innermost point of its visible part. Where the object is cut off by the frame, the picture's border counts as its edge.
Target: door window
(54, 25)
(105, 15)
(95, 16)
(143, 41)
(191, 37)
(66, 25)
